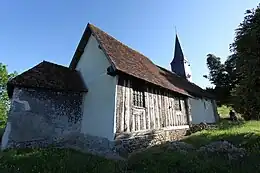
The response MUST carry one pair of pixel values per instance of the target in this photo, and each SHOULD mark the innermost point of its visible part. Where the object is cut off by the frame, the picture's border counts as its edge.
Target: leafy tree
(4, 101)
(216, 69)
(222, 76)
(246, 50)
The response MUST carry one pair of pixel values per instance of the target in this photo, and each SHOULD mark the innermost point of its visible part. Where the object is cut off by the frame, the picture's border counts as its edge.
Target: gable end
(81, 46)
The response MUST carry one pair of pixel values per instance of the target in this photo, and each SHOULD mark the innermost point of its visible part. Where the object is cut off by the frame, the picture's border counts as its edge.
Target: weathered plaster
(6, 135)
(38, 115)
(23, 103)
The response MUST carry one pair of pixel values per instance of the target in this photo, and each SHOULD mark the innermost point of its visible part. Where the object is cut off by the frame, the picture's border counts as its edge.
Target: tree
(222, 76)
(4, 101)
(246, 50)
(215, 69)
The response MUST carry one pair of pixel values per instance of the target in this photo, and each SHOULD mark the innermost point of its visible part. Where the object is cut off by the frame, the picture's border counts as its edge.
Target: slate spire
(179, 64)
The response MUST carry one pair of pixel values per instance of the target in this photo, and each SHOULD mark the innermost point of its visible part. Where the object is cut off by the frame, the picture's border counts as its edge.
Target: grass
(153, 160)
(162, 160)
(54, 160)
(242, 134)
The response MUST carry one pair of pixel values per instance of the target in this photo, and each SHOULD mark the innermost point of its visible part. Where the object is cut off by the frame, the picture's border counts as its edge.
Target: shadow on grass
(249, 141)
(154, 160)
(226, 124)
(159, 159)
(55, 160)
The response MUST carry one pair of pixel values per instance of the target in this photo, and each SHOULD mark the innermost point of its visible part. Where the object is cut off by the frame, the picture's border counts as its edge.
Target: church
(109, 95)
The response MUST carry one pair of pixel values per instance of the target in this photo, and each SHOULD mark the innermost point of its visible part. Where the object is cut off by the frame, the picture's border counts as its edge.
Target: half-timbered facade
(141, 106)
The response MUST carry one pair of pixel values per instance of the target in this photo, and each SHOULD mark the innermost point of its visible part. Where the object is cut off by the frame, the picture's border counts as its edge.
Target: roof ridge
(179, 76)
(125, 45)
(121, 42)
(48, 75)
(52, 63)
(132, 62)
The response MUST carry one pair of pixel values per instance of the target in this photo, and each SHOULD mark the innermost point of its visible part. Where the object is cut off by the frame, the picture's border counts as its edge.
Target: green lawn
(242, 134)
(156, 159)
(54, 160)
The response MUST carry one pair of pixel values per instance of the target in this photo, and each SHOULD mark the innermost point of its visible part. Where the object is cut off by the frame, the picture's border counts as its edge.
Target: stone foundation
(82, 142)
(126, 143)
(119, 149)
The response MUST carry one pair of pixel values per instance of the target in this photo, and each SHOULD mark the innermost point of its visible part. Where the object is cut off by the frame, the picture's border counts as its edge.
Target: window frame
(138, 95)
(177, 100)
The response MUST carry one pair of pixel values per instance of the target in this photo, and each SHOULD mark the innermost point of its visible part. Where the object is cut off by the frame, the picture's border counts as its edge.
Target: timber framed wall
(159, 109)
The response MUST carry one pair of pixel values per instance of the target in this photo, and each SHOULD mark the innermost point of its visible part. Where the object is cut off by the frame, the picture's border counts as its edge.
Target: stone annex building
(110, 99)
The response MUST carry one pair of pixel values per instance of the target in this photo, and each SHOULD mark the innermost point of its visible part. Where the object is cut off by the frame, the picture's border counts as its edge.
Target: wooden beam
(147, 105)
(127, 105)
(122, 119)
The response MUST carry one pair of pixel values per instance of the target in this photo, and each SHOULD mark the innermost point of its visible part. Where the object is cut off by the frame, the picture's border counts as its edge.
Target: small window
(138, 95)
(177, 102)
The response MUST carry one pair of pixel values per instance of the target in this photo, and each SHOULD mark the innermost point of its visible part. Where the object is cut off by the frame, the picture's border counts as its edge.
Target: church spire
(178, 58)
(179, 64)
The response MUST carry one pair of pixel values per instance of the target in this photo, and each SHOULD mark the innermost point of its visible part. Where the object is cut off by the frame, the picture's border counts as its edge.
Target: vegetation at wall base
(244, 134)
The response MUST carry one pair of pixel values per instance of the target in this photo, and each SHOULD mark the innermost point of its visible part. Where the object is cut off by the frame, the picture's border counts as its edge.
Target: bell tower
(180, 64)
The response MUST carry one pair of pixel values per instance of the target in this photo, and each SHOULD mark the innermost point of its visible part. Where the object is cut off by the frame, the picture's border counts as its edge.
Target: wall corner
(188, 111)
(115, 107)
(216, 115)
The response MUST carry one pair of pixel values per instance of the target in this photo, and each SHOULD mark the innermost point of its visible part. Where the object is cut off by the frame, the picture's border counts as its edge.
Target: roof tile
(48, 75)
(129, 61)
(133, 63)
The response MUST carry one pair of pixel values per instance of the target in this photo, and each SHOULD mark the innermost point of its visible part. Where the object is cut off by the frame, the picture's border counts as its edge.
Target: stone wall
(126, 143)
(40, 117)
(123, 145)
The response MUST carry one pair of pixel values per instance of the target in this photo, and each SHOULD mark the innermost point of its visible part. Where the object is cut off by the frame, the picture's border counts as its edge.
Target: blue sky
(32, 31)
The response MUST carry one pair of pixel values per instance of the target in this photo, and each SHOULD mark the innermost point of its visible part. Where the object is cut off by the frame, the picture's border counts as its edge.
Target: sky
(32, 31)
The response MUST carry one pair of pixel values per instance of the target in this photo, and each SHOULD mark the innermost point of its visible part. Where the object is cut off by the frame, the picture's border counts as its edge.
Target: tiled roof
(48, 75)
(180, 82)
(126, 60)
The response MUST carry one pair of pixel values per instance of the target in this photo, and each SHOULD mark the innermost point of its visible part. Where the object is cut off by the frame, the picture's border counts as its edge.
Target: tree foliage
(222, 75)
(4, 101)
(246, 49)
(237, 80)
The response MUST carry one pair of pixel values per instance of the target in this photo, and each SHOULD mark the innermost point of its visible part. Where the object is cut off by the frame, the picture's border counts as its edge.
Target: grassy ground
(54, 160)
(242, 134)
(153, 160)
(156, 159)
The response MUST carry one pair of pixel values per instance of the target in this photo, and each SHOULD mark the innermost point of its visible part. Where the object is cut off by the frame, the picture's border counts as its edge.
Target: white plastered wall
(202, 111)
(99, 101)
